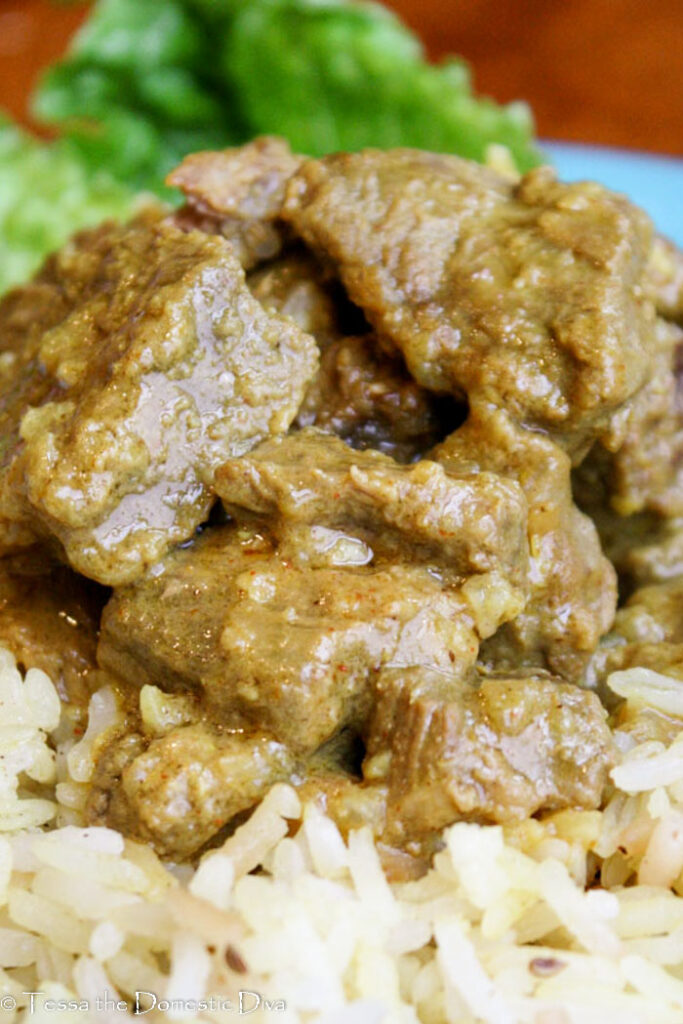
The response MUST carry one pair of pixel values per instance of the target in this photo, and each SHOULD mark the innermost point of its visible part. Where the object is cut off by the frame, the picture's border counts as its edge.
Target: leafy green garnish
(45, 195)
(338, 76)
(131, 94)
(147, 81)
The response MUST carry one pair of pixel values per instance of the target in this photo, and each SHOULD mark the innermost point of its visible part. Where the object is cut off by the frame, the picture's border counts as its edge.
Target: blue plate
(654, 182)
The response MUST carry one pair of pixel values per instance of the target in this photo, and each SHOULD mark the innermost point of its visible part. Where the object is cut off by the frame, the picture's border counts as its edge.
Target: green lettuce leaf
(45, 195)
(145, 81)
(137, 91)
(331, 75)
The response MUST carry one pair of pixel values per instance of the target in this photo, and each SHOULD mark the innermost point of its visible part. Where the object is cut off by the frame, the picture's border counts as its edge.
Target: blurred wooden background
(604, 71)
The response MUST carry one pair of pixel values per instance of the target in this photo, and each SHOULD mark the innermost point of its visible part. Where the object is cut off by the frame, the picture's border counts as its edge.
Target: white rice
(501, 930)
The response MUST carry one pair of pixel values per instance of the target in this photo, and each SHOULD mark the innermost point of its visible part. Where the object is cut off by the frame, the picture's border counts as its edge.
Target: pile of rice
(502, 928)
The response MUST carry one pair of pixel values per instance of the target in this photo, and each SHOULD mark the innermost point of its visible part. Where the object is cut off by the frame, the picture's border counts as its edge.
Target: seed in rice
(235, 961)
(546, 966)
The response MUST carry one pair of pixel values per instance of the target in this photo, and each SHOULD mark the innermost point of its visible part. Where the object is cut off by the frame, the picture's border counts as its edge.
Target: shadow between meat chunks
(527, 296)
(280, 624)
(650, 549)
(238, 193)
(647, 633)
(634, 493)
(664, 279)
(367, 398)
(49, 619)
(644, 471)
(361, 393)
(653, 614)
(572, 586)
(644, 547)
(134, 364)
(498, 751)
(297, 285)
